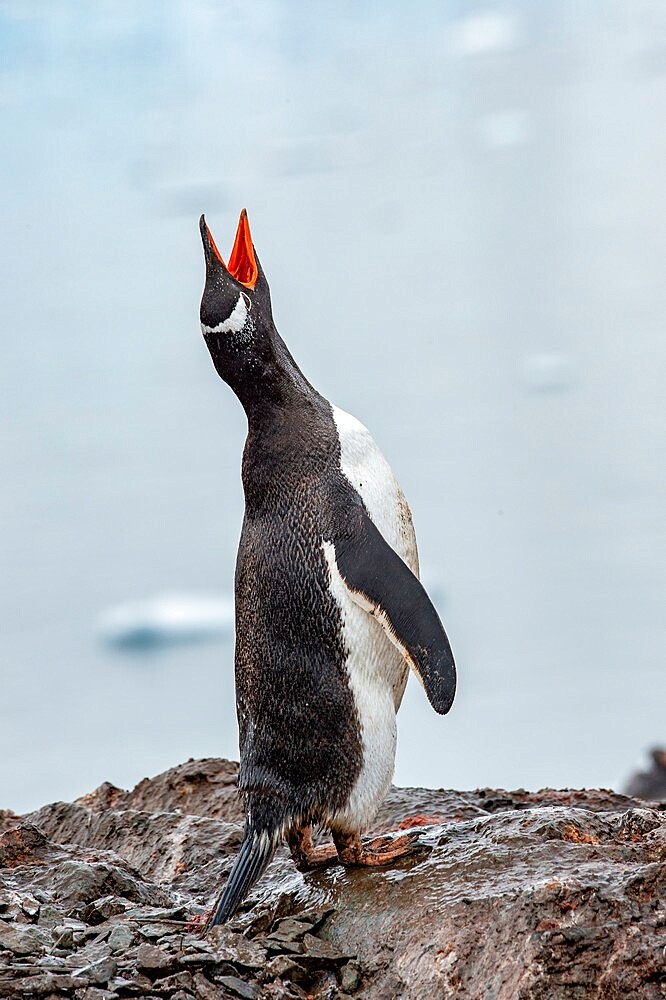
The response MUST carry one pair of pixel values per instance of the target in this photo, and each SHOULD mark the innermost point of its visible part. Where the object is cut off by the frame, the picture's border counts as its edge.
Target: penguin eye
(235, 321)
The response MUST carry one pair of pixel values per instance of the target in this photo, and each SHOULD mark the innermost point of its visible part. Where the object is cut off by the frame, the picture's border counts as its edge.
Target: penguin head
(235, 308)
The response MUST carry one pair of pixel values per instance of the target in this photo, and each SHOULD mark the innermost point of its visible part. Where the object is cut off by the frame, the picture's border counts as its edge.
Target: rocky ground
(510, 896)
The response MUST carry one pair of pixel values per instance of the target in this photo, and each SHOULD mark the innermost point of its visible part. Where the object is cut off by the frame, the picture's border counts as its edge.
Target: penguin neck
(265, 377)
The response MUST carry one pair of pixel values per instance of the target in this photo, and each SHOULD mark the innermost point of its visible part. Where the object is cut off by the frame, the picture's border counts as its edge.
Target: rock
(24, 939)
(350, 977)
(206, 787)
(179, 981)
(99, 972)
(204, 989)
(63, 936)
(94, 993)
(121, 938)
(85, 881)
(236, 948)
(30, 906)
(49, 915)
(10, 904)
(525, 895)
(239, 987)
(22, 844)
(152, 959)
(284, 967)
(45, 984)
(101, 909)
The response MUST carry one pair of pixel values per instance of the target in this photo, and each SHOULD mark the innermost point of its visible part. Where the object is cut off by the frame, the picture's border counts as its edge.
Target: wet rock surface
(553, 894)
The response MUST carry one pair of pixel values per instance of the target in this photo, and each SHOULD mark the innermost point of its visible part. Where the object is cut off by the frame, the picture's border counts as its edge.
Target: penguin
(329, 612)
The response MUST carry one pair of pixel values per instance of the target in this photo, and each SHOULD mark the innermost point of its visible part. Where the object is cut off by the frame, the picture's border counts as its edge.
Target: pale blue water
(460, 210)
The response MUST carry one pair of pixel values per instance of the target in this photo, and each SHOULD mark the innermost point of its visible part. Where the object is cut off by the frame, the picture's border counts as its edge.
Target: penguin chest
(376, 674)
(376, 670)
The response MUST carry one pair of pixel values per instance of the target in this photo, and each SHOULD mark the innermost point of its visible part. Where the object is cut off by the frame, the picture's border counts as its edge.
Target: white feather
(377, 670)
(234, 322)
(377, 675)
(371, 476)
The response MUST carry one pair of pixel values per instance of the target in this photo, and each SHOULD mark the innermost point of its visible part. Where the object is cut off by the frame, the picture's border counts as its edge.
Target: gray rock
(10, 904)
(50, 915)
(204, 989)
(284, 967)
(236, 948)
(48, 984)
(30, 906)
(151, 959)
(84, 882)
(63, 937)
(239, 987)
(350, 977)
(52, 961)
(24, 939)
(94, 993)
(121, 938)
(98, 972)
(178, 981)
(317, 948)
(101, 909)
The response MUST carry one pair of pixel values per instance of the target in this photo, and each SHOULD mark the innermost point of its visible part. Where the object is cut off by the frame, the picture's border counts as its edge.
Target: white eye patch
(234, 322)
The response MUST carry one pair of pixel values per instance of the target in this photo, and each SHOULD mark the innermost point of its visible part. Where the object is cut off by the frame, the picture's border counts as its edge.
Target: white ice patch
(367, 470)
(377, 674)
(234, 322)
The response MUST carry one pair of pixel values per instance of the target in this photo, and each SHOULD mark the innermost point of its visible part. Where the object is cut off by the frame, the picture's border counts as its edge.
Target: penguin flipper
(381, 583)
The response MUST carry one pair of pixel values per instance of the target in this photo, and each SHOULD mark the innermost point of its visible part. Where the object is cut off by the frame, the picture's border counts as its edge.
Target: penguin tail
(253, 858)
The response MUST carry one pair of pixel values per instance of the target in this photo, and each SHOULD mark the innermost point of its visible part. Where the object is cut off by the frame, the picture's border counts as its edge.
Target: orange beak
(242, 263)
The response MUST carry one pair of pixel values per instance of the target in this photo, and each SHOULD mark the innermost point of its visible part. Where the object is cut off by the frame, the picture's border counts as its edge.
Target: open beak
(242, 262)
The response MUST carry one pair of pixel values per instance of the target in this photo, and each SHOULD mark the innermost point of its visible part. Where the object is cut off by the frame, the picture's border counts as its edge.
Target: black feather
(253, 858)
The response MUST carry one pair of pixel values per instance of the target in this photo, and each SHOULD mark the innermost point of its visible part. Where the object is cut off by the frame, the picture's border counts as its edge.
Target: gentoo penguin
(330, 613)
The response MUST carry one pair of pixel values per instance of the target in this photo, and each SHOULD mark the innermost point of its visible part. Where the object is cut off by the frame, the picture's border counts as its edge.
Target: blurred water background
(461, 212)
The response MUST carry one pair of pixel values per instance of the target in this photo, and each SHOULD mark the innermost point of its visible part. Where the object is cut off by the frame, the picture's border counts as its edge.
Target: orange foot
(420, 820)
(380, 851)
(304, 852)
(197, 924)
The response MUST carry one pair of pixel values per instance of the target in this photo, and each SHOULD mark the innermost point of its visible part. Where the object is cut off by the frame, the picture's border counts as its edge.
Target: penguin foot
(304, 852)
(380, 851)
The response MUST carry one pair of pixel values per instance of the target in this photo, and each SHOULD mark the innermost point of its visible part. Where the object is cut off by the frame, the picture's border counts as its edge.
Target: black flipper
(255, 853)
(383, 584)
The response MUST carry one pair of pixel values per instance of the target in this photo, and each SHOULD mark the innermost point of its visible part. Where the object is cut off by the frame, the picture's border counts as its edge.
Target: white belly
(377, 671)
(372, 477)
